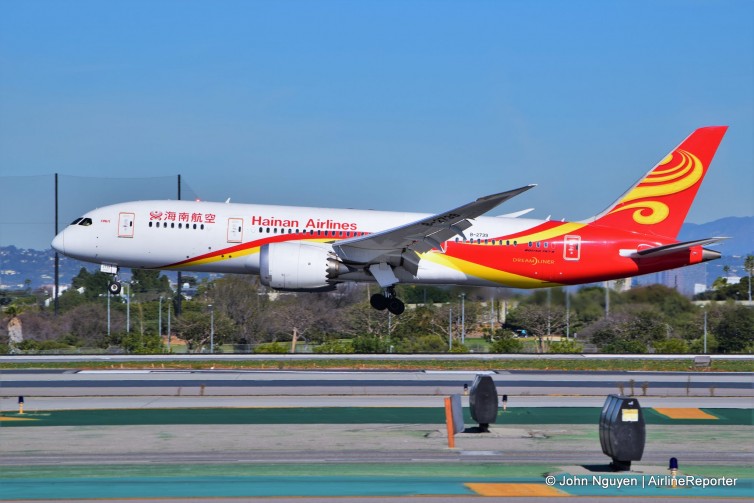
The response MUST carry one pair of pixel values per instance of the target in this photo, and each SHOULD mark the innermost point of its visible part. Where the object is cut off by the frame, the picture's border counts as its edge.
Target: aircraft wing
(401, 245)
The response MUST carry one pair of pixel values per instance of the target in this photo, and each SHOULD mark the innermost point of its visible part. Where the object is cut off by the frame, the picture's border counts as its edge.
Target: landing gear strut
(388, 301)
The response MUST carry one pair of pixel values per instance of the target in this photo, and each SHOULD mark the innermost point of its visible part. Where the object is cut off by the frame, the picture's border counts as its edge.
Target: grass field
(355, 363)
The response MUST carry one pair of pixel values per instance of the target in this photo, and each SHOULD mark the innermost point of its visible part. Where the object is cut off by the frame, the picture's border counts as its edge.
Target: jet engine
(299, 266)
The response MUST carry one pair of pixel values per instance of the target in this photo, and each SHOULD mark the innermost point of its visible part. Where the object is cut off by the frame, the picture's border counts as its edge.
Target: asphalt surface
(159, 382)
(313, 461)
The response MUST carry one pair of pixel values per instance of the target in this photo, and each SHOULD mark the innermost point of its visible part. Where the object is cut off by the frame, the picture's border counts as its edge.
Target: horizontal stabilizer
(664, 250)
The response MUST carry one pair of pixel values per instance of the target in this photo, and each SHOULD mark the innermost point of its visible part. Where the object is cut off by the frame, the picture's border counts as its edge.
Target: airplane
(314, 249)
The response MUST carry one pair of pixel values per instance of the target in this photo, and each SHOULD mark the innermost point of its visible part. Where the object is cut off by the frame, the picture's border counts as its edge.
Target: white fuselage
(225, 237)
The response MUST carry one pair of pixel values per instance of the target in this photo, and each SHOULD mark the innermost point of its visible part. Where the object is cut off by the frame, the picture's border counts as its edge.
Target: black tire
(395, 306)
(114, 287)
(378, 301)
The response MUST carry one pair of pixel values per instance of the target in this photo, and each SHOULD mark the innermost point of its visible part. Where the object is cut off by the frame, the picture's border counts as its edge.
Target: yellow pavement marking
(513, 490)
(684, 413)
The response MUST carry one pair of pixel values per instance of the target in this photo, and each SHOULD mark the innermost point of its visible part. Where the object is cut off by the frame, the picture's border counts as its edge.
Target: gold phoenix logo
(664, 180)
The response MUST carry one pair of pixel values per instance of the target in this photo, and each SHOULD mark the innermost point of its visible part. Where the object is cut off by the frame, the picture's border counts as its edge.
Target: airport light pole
(749, 267)
(463, 318)
(159, 320)
(127, 284)
(211, 329)
(450, 328)
(169, 333)
(568, 313)
(108, 313)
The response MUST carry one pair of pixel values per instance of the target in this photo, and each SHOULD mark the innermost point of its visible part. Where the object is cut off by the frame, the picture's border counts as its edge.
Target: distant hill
(740, 230)
(20, 265)
(17, 265)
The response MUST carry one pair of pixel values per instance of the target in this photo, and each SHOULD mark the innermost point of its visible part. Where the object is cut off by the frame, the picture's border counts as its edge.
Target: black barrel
(483, 401)
(622, 431)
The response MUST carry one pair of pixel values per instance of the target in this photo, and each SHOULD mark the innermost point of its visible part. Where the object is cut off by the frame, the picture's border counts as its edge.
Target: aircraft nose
(58, 243)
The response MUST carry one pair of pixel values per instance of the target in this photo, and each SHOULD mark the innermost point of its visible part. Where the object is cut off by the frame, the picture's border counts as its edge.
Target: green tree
(369, 344)
(422, 344)
(588, 304)
(335, 347)
(505, 342)
(94, 284)
(671, 346)
(195, 328)
(566, 347)
(422, 321)
(459, 348)
(240, 298)
(539, 320)
(150, 284)
(735, 329)
(70, 299)
(415, 294)
(749, 267)
(276, 348)
(697, 345)
(136, 343)
(88, 323)
(671, 303)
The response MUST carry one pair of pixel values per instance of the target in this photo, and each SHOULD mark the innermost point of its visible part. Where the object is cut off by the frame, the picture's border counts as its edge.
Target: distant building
(686, 279)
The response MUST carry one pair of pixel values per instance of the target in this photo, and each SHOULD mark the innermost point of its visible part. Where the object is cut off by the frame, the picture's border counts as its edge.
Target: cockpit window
(85, 221)
(79, 219)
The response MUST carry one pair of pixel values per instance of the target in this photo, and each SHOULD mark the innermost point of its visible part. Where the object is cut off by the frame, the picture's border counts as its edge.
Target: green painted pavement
(600, 484)
(442, 470)
(344, 415)
(183, 486)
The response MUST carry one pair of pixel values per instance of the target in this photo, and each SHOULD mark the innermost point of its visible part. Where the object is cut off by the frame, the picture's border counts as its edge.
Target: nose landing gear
(387, 300)
(114, 287)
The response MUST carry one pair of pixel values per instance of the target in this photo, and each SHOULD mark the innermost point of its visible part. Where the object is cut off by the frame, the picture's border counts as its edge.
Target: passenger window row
(507, 242)
(173, 226)
(311, 232)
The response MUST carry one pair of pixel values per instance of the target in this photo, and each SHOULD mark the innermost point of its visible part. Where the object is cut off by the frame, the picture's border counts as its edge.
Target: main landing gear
(388, 301)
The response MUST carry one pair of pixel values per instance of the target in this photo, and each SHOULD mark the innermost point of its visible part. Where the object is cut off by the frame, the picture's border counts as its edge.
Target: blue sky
(407, 105)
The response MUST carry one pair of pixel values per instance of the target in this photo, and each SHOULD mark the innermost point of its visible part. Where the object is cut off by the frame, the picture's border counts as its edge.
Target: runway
(213, 435)
(160, 382)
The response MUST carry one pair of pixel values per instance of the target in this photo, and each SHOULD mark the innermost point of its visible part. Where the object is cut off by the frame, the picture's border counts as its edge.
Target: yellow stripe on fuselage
(558, 231)
(216, 258)
(221, 256)
(487, 273)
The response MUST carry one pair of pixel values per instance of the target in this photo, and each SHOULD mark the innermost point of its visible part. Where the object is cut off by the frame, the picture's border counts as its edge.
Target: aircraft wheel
(378, 301)
(114, 287)
(395, 306)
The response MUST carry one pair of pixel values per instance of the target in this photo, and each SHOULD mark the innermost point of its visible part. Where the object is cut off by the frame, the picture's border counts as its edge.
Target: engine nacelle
(298, 265)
